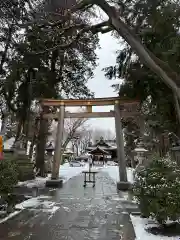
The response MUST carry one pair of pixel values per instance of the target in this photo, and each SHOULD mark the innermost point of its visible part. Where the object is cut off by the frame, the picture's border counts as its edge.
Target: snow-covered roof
(140, 150)
(98, 150)
(68, 152)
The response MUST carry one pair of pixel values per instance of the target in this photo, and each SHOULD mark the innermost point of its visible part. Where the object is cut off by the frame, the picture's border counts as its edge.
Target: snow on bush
(157, 190)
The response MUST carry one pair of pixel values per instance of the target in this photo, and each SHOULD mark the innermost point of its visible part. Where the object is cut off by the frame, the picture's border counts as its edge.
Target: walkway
(74, 213)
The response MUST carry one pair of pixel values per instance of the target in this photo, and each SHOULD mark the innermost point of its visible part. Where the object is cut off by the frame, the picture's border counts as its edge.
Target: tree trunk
(4, 119)
(19, 130)
(41, 144)
(7, 44)
(177, 107)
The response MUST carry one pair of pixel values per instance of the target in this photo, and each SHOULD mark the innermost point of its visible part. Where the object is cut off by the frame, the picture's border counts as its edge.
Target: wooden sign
(130, 109)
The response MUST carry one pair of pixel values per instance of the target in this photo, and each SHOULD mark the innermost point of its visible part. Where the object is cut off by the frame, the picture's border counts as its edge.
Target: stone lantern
(140, 153)
(50, 149)
(49, 157)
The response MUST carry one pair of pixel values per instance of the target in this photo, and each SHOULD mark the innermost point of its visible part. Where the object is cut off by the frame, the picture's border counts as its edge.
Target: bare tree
(107, 134)
(72, 129)
(85, 138)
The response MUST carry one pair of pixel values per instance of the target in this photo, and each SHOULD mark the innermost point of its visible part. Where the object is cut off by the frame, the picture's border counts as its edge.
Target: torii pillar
(123, 184)
(55, 180)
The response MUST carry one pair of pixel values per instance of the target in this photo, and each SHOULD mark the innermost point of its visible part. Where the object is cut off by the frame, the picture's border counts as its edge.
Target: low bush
(8, 176)
(157, 190)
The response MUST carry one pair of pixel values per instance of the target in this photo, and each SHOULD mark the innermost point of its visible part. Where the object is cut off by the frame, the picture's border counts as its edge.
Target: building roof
(99, 151)
(102, 144)
(50, 147)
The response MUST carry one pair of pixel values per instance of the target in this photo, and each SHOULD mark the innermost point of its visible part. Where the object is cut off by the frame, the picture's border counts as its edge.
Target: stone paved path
(74, 213)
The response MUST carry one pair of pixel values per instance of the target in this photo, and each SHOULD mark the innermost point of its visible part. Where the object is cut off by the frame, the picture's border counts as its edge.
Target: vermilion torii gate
(123, 108)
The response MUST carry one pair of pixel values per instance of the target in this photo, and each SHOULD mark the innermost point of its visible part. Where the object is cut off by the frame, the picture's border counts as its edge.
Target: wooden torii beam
(89, 103)
(86, 102)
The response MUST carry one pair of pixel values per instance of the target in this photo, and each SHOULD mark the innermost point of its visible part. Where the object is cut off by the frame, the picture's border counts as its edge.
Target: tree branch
(71, 133)
(102, 27)
(82, 5)
(145, 55)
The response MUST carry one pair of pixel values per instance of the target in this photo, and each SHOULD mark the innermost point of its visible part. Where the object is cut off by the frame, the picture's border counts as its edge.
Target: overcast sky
(100, 85)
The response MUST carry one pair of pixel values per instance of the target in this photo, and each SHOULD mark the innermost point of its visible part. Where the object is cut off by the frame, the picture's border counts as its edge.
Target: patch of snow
(52, 210)
(140, 225)
(140, 150)
(67, 209)
(9, 143)
(32, 202)
(37, 182)
(44, 197)
(38, 203)
(113, 172)
(67, 172)
(13, 214)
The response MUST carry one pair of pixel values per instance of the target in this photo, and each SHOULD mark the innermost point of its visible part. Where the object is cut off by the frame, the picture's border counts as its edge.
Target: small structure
(8, 151)
(50, 149)
(175, 154)
(100, 146)
(99, 154)
(83, 157)
(87, 177)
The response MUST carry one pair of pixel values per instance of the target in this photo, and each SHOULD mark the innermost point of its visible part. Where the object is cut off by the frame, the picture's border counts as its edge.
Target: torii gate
(123, 108)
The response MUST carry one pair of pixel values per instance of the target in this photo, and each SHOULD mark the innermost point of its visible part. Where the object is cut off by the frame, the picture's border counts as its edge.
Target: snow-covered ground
(141, 224)
(41, 202)
(113, 172)
(37, 182)
(13, 214)
(9, 143)
(66, 172)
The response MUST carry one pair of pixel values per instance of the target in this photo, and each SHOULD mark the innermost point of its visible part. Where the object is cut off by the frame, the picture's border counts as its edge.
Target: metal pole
(58, 146)
(120, 144)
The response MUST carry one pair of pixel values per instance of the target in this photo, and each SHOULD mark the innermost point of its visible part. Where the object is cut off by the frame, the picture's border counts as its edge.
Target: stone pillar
(123, 184)
(58, 146)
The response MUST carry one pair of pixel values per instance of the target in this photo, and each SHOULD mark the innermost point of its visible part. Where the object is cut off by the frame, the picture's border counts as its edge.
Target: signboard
(130, 109)
(1, 148)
